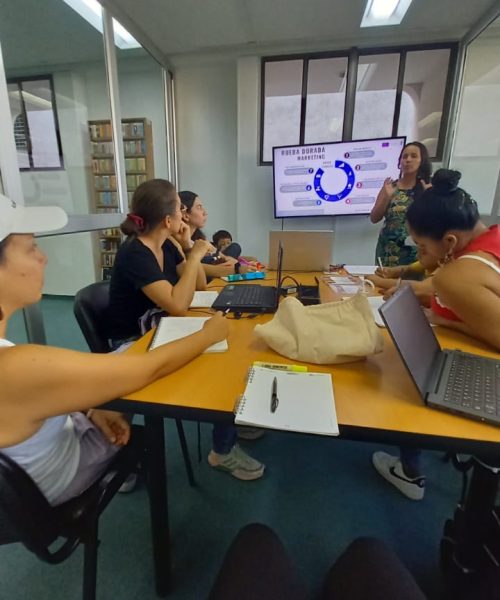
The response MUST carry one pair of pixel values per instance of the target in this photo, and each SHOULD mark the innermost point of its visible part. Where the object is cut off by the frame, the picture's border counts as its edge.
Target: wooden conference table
(375, 401)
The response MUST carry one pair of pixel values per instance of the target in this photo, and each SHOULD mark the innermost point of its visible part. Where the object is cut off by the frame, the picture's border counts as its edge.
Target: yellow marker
(281, 367)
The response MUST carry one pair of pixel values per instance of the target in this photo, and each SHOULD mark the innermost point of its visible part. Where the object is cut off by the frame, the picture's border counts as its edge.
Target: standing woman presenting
(393, 201)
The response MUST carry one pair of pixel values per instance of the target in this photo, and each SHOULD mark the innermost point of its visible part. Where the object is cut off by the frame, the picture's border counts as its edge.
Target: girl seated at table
(220, 263)
(64, 451)
(445, 224)
(151, 276)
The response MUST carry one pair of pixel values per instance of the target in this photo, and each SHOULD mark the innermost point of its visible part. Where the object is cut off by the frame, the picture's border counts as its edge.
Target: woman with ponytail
(150, 270)
(151, 275)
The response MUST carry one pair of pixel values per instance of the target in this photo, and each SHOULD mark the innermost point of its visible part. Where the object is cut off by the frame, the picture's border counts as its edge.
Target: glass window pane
(282, 99)
(375, 96)
(326, 85)
(476, 151)
(37, 96)
(423, 95)
(21, 139)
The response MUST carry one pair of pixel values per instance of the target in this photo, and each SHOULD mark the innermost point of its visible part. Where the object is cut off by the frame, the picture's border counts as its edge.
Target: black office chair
(27, 517)
(90, 308)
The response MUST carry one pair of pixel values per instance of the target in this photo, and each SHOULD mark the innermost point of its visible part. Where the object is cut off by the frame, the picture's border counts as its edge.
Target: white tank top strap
(483, 260)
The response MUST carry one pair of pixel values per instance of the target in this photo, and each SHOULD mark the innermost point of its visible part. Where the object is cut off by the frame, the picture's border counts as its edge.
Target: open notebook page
(174, 328)
(203, 299)
(306, 402)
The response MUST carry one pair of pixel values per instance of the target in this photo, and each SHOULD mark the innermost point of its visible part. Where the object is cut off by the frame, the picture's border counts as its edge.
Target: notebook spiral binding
(239, 405)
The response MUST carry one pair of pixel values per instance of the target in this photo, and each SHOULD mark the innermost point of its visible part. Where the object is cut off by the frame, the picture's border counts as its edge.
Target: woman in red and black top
(444, 222)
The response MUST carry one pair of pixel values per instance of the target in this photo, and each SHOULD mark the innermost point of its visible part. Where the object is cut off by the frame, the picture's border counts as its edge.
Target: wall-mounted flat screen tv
(338, 178)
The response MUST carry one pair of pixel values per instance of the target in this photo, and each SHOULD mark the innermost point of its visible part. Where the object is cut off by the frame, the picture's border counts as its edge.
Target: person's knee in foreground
(42, 387)
(444, 223)
(257, 567)
(158, 268)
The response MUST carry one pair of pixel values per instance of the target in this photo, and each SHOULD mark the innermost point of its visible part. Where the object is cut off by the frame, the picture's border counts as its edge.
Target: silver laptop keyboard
(474, 384)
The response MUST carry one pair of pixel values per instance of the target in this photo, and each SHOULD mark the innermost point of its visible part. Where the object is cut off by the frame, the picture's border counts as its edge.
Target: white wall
(207, 139)
(218, 136)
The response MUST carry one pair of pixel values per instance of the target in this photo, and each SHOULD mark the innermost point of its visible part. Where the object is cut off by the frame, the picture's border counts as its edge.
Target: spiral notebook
(305, 402)
(174, 328)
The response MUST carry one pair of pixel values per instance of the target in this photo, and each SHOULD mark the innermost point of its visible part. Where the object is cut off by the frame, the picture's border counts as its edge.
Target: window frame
(353, 55)
(19, 81)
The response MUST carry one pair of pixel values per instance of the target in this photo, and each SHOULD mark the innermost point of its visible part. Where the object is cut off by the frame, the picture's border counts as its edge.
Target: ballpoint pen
(379, 260)
(274, 395)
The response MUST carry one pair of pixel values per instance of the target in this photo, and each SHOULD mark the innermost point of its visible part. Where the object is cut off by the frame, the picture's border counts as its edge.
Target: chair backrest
(25, 514)
(90, 310)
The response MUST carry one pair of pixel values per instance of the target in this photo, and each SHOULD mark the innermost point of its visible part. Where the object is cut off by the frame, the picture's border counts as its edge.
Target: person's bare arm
(383, 283)
(201, 279)
(40, 381)
(423, 290)
(383, 200)
(222, 270)
(470, 290)
(175, 299)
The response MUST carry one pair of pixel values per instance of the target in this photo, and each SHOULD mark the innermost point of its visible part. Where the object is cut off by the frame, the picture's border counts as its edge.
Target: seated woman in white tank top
(64, 451)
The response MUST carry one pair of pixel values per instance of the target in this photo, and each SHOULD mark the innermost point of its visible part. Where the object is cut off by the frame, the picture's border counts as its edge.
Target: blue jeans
(223, 438)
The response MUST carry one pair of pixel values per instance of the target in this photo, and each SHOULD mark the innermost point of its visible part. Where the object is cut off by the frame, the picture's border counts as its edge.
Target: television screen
(338, 178)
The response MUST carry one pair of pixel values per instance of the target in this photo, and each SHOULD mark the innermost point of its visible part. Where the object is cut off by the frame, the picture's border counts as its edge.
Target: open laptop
(451, 380)
(253, 298)
(303, 250)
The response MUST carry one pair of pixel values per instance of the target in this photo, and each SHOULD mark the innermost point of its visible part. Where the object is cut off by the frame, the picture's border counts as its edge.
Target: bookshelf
(139, 166)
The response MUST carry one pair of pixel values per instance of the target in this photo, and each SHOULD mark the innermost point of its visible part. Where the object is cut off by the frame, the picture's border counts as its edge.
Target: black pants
(257, 567)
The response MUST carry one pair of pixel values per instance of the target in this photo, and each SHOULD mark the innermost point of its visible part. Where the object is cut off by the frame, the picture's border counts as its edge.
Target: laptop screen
(412, 335)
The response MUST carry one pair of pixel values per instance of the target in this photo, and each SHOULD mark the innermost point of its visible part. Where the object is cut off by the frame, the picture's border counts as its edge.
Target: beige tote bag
(330, 333)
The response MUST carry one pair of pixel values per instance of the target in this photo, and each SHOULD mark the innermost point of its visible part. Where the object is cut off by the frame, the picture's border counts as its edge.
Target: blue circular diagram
(339, 164)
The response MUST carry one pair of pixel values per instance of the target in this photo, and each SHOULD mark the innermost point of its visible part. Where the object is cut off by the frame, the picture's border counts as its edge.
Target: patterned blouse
(391, 248)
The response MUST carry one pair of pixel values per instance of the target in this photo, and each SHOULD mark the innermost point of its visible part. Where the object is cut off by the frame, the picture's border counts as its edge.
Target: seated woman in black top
(151, 273)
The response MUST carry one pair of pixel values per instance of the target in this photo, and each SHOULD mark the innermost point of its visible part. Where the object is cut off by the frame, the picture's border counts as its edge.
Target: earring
(448, 258)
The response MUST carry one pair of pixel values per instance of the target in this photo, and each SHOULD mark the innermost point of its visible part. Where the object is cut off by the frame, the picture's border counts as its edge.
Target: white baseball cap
(15, 218)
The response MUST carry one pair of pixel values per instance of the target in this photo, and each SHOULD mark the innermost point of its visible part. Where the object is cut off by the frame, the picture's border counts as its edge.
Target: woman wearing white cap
(62, 450)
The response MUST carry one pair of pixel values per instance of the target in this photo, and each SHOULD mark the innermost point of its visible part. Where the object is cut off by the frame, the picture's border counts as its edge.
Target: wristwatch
(237, 268)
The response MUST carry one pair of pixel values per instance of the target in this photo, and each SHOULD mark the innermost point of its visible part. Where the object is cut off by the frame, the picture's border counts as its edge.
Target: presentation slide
(341, 178)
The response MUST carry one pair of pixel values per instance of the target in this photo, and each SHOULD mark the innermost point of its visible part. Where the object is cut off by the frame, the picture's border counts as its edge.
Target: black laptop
(451, 380)
(251, 298)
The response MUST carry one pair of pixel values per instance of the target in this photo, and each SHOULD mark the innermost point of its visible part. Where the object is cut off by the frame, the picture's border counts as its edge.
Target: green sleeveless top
(391, 248)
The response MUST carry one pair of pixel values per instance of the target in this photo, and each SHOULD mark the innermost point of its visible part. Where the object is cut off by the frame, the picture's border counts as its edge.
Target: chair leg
(90, 562)
(185, 452)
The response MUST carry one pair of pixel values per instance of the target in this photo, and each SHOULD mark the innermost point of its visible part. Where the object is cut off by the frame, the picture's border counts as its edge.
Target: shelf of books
(139, 166)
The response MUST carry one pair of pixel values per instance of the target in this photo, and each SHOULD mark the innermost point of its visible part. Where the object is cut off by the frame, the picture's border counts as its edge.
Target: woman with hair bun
(444, 222)
(393, 201)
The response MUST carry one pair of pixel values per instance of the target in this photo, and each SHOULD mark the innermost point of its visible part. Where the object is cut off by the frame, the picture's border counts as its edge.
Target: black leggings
(257, 567)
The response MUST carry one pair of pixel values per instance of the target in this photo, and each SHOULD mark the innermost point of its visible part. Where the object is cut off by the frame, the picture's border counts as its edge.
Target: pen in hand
(382, 272)
(274, 395)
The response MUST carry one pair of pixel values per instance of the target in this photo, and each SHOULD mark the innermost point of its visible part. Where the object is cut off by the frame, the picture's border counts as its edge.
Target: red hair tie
(139, 221)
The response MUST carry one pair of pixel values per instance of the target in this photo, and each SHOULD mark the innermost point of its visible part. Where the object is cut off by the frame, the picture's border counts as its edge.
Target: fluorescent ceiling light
(384, 12)
(91, 11)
